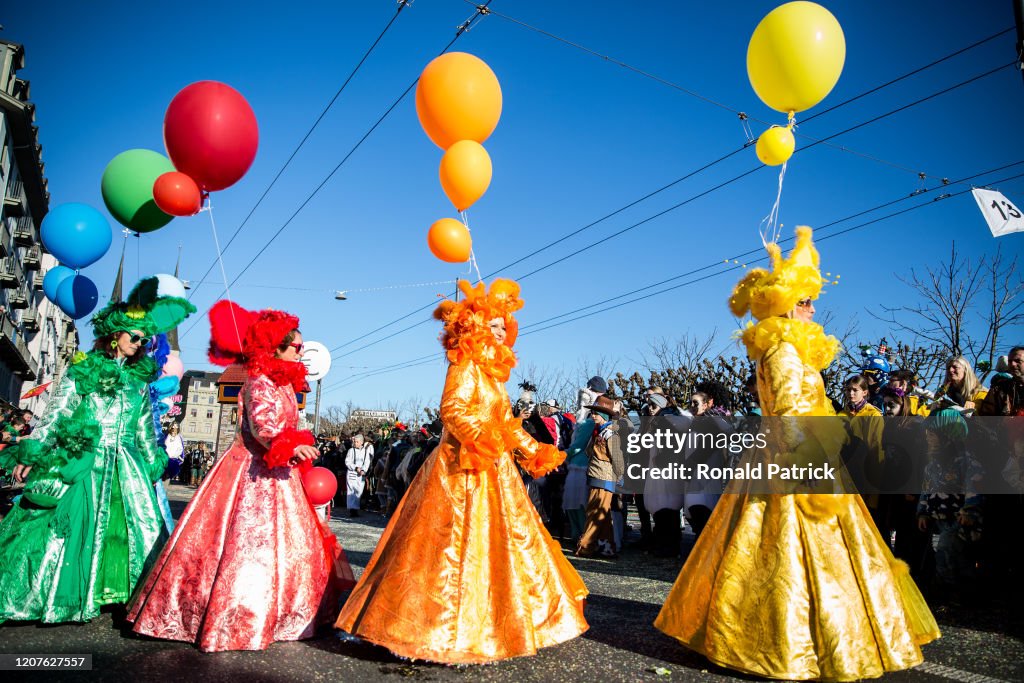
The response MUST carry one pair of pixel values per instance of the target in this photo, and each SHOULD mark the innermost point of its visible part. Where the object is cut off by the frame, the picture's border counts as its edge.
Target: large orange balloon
(449, 240)
(465, 173)
(458, 98)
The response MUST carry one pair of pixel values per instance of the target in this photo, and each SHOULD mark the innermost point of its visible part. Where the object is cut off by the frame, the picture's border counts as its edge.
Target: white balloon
(168, 285)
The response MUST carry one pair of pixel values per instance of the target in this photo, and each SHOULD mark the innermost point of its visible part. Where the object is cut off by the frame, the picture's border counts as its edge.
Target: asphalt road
(980, 643)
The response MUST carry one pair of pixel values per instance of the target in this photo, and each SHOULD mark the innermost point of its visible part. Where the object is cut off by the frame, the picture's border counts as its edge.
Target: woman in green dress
(88, 523)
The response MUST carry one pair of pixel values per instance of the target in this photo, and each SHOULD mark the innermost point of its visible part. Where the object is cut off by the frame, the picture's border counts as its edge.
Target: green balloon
(127, 188)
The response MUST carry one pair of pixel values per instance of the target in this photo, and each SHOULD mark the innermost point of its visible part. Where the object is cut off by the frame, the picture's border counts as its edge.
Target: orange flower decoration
(467, 335)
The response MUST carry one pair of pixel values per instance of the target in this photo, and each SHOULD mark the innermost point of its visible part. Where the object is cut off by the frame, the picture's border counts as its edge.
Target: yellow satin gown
(796, 586)
(465, 571)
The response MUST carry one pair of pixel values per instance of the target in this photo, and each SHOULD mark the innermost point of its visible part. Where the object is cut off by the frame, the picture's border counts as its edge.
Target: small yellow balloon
(465, 173)
(775, 146)
(795, 56)
(449, 240)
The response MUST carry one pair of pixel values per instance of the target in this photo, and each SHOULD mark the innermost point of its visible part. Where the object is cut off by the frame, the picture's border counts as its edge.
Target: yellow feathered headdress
(766, 294)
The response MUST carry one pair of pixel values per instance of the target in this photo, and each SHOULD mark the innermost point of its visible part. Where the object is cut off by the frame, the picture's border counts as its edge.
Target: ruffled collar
(97, 373)
(478, 347)
(281, 372)
(815, 348)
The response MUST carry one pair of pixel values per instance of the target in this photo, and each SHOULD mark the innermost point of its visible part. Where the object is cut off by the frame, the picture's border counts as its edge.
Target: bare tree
(947, 293)
(1003, 307)
(686, 351)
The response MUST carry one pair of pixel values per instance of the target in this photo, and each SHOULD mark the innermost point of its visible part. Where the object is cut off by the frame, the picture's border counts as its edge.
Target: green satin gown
(88, 524)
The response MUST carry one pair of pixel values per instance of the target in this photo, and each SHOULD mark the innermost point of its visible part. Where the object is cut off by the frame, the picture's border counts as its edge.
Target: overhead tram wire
(529, 329)
(402, 4)
(526, 330)
(669, 185)
(461, 29)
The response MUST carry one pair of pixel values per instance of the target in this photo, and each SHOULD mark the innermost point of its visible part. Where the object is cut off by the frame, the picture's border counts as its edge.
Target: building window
(191, 426)
(209, 414)
(194, 411)
(206, 429)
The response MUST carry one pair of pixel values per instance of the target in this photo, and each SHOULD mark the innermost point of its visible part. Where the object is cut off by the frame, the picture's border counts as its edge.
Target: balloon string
(769, 228)
(472, 254)
(220, 259)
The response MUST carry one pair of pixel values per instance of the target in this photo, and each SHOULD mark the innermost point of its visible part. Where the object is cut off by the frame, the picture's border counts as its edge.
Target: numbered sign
(1002, 215)
(317, 360)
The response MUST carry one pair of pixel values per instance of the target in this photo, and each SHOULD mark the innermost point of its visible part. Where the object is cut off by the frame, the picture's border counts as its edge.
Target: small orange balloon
(458, 98)
(449, 240)
(465, 173)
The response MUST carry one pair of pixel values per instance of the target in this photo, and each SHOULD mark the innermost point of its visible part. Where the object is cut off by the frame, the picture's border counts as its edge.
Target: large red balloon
(177, 194)
(211, 134)
(320, 485)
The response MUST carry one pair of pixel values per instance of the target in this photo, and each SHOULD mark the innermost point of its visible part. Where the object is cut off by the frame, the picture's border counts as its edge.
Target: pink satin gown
(249, 562)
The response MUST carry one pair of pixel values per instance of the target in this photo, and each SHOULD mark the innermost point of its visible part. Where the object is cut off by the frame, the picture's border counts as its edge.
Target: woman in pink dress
(249, 562)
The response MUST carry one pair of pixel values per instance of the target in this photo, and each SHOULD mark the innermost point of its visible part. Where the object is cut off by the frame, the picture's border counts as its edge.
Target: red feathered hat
(238, 335)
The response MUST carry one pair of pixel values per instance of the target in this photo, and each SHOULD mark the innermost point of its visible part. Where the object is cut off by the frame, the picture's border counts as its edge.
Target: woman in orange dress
(465, 571)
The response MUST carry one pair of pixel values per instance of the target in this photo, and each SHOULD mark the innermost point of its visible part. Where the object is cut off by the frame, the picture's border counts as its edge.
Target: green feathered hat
(145, 310)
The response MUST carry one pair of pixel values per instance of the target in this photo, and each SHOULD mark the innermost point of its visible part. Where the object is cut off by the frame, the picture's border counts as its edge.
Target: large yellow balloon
(458, 98)
(775, 146)
(465, 173)
(795, 56)
(449, 240)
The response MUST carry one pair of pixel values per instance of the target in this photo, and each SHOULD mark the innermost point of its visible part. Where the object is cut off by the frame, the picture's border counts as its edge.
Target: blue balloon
(52, 280)
(76, 234)
(77, 296)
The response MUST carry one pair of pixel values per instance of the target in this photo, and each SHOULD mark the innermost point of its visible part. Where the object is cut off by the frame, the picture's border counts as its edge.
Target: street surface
(979, 644)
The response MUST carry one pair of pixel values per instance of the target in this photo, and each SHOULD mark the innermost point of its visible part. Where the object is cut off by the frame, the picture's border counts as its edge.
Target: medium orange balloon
(465, 173)
(449, 241)
(458, 98)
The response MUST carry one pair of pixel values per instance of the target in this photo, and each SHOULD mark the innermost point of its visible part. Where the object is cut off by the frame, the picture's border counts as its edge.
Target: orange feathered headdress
(767, 294)
(467, 335)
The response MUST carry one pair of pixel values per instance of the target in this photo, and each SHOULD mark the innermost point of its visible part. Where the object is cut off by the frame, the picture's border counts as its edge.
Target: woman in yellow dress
(795, 585)
(465, 571)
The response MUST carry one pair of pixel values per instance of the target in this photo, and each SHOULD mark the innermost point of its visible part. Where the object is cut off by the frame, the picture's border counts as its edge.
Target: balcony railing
(24, 231)
(33, 259)
(30, 320)
(18, 298)
(10, 272)
(14, 199)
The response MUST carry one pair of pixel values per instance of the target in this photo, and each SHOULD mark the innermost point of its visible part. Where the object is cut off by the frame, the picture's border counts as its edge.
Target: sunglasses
(804, 303)
(139, 339)
(298, 347)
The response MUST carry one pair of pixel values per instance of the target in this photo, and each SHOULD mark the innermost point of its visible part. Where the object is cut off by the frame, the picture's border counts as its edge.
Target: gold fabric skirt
(465, 572)
(797, 587)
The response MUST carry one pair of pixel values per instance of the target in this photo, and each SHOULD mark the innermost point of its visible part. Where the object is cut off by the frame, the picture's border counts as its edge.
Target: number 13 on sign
(1002, 216)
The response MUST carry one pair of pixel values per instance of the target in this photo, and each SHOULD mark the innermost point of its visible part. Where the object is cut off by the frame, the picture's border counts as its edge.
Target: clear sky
(580, 137)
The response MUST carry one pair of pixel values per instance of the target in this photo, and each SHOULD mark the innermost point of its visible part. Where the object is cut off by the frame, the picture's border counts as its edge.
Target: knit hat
(598, 384)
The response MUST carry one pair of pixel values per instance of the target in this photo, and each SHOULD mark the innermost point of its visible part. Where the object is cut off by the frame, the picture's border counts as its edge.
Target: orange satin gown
(465, 571)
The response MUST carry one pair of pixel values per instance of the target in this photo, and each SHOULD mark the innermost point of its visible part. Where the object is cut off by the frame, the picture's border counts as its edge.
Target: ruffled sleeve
(481, 442)
(265, 405)
(154, 457)
(536, 458)
(35, 450)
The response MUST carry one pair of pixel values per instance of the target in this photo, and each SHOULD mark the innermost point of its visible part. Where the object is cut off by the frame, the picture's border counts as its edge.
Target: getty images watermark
(667, 440)
(873, 455)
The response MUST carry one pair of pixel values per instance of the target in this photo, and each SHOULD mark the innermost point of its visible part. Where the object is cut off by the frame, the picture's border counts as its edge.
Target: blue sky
(579, 138)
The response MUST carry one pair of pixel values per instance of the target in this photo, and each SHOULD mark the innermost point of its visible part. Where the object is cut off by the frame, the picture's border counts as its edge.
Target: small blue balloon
(77, 296)
(51, 281)
(76, 234)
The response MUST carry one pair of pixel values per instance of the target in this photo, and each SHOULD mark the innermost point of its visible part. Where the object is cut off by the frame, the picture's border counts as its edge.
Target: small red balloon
(320, 485)
(211, 135)
(177, 195)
